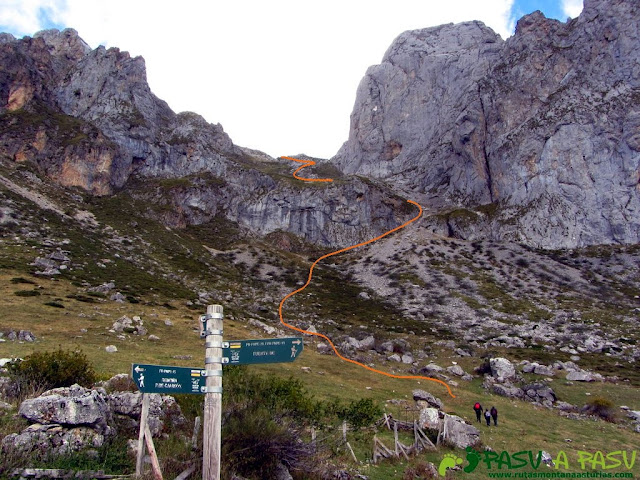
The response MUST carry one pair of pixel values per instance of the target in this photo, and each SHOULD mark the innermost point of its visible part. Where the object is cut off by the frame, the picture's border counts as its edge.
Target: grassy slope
(85, 320)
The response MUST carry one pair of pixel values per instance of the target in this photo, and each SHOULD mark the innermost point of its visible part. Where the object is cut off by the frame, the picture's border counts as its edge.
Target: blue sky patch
(550, 8)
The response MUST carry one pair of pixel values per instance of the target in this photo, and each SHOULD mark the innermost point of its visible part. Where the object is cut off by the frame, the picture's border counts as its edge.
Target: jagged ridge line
(308, 163)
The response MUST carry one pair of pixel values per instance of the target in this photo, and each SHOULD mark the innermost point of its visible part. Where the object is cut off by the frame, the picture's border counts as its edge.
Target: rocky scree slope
(533, 139)
(88, 119)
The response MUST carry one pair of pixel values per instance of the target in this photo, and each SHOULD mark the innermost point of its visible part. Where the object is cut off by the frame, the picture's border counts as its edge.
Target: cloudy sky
(279, 75)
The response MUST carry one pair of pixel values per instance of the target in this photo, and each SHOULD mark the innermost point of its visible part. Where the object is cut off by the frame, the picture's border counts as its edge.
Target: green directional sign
(168, 379)
(266, 350)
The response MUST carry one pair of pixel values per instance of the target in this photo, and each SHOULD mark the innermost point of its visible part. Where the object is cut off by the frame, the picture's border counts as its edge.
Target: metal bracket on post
(211, 373)
(211, 389)
(204, 333)
(212, 360)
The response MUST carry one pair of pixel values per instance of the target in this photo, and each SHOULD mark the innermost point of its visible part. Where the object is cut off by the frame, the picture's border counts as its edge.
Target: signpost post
(208, 381)
(211, 439)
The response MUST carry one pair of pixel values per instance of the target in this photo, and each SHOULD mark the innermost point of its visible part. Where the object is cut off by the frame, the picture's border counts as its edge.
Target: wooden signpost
(208, 381)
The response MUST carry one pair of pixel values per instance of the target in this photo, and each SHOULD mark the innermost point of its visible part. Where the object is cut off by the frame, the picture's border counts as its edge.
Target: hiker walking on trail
(478, 409)
(487, 417)
(494, 415)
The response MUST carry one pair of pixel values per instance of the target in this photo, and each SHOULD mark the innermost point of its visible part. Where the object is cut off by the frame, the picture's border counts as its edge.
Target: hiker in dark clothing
(487, 417)
(478, 409)
(494, 415)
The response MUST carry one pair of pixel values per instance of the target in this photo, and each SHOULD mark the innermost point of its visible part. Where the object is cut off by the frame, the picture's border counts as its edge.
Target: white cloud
(24, 17)
(572, 8)
(280, 76)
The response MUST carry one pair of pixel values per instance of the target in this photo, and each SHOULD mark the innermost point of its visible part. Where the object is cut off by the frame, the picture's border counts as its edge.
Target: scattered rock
(111, 349)
(502, 369)
(364, 296)
(407, 358)
(26, 336)
(367, 343)
(70, 406)
(104, 288)
(635, 415)
(424, 398)
(430, 418)
(547, 459)
(456, 370)
(52, 439)
(117, 297)
(507, 390)
(153, 338)
(134, 326)
(580, 376)
(459, 434)
(462, 353)
(432, 369)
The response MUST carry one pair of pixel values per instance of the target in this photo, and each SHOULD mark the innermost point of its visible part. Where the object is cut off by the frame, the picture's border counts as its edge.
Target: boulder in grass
(424, 398)
(459, 434)
(502, 369)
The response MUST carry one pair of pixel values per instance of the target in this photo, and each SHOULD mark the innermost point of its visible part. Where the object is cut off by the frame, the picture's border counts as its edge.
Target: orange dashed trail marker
(308, 163)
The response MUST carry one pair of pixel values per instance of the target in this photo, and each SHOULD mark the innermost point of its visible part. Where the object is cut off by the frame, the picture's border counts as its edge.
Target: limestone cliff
(532, 139)
(87, 119)
(535, 139)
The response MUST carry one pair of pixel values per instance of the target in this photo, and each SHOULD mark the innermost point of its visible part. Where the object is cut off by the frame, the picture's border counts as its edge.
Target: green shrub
(601, 407)
(54, 304)
(111, 458)
(361, 413)
(22, 280)
(46, 370)
(253, 444)
(27, 293)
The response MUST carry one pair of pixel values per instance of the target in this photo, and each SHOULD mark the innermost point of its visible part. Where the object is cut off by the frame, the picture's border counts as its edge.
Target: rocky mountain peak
(66, 43)
(540, 130)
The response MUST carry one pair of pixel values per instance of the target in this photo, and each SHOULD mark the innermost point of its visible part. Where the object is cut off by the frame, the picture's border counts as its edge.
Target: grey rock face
(74, 418)
(580, 376)
(430, 418)
(163, 411)
(459, 434)
(537, 136)
(427, 398)
(72, 406)
(509, 391)
(502, 369)
(52, 439)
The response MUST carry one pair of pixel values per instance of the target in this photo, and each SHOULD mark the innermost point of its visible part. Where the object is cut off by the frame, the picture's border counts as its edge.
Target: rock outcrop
(534, 139)
(70, 419)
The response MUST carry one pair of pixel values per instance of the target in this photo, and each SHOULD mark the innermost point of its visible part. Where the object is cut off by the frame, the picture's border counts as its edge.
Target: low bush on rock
(601, 407)
(45, 370)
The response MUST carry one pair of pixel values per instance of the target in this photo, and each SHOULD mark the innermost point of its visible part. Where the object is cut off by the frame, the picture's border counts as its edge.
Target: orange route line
(308, 163)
